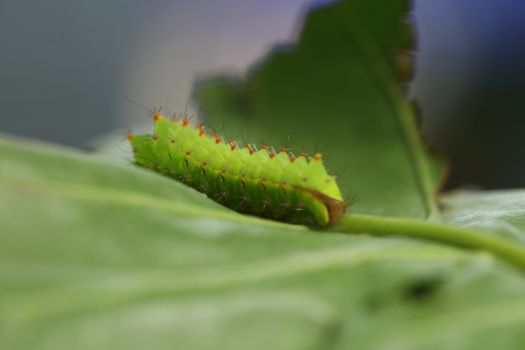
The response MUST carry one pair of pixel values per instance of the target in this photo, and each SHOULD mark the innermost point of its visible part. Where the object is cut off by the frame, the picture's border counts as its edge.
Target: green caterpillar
(260, 182)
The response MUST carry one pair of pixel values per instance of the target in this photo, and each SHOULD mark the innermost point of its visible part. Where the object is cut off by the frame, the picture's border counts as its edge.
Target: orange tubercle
(185, 122)
(317, 156)
(272, 155)
(130, 137)
(157, 116)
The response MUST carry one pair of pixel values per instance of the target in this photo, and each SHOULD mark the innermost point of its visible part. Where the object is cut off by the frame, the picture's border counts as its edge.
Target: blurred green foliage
(337, 91)
(115, 257)
(97, 255)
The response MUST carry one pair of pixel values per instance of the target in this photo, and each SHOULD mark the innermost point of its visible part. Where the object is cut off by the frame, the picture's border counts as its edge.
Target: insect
(261, 182)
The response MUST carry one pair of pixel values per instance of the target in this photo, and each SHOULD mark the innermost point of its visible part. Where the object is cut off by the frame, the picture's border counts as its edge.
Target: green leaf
(115, 257)
(495, 212)
(97, 255)
(336, 90)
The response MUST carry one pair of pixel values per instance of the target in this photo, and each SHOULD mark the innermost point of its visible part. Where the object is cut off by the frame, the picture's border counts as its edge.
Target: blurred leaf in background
(337, 91)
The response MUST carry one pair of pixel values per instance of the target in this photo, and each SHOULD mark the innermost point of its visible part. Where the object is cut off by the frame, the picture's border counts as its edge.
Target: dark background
(66, 67)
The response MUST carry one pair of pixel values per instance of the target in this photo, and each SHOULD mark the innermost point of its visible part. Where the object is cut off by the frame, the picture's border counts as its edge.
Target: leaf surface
(495, 212)
(337, 91)
(114, 257)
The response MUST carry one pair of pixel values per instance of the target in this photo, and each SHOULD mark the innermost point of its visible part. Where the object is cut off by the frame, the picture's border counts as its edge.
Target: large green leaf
(96, 255)
(337, 91)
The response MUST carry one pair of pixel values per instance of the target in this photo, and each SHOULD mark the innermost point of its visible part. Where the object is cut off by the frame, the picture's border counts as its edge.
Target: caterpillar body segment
(260, 182)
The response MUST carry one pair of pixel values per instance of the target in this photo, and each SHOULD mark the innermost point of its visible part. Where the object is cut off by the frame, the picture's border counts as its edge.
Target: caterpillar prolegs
(261, 182)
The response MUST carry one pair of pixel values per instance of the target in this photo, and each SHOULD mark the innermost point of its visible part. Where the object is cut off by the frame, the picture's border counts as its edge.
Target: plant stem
(458, 236)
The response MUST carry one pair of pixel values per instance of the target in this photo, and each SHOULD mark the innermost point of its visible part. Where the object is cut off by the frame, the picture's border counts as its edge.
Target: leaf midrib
(407, 129)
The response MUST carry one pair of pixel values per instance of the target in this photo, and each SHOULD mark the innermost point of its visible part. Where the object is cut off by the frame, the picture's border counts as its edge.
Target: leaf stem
(444, 233)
